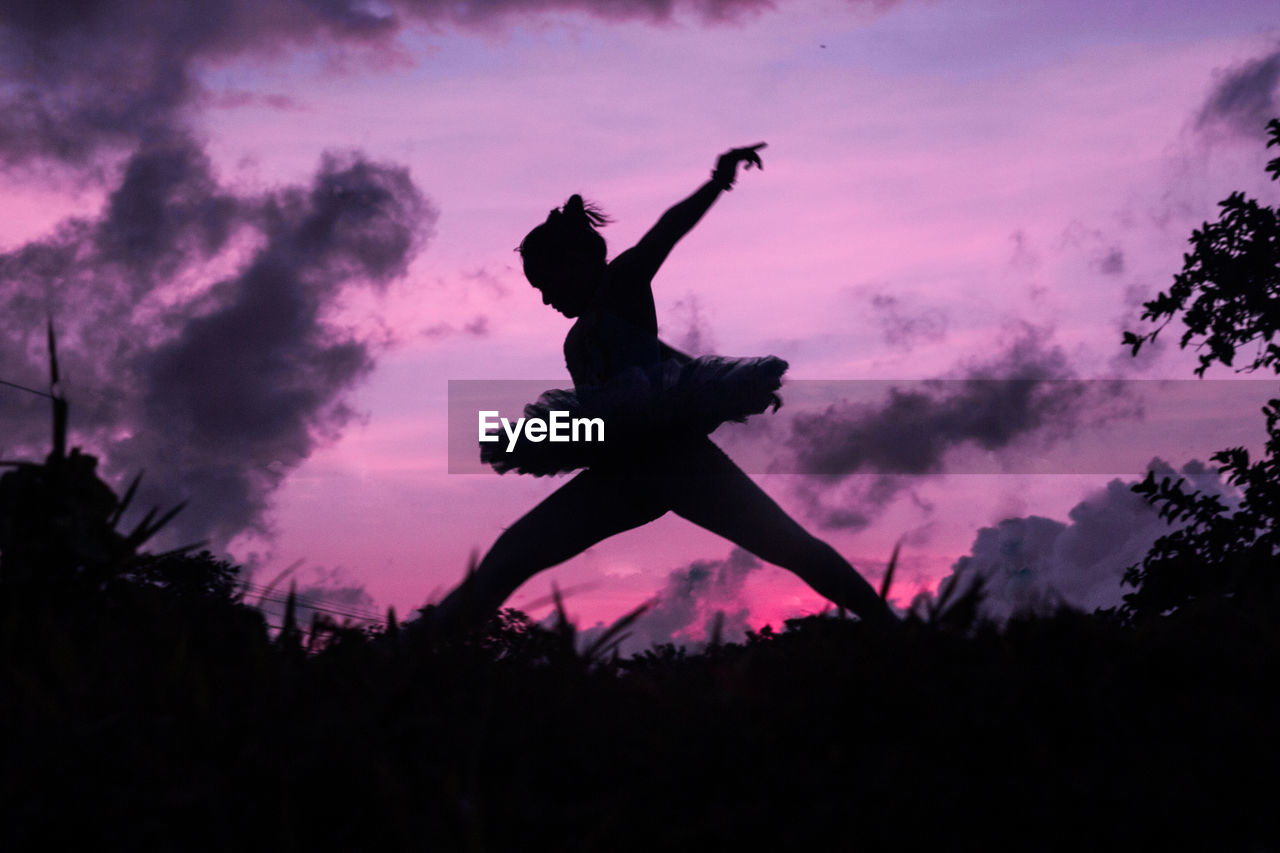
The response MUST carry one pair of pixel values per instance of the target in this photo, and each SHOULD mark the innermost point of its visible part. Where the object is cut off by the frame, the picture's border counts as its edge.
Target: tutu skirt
(643, 408)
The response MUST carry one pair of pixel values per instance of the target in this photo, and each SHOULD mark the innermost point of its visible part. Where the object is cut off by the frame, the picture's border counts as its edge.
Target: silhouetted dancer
(658, 406)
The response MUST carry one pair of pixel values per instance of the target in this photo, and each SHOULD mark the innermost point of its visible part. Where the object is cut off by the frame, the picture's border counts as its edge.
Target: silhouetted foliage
(58, 520)
(191, 576)
(142, 723)
(1232, 281)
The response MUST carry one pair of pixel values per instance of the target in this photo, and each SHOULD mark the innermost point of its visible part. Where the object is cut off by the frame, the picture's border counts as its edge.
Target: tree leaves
(1228, 291)
(1228, 295)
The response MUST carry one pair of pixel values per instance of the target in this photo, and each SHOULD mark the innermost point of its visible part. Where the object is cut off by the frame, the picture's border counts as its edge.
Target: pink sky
(976, 162)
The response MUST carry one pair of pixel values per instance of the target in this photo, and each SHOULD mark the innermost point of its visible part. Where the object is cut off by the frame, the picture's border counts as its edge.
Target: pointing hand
(726, 171)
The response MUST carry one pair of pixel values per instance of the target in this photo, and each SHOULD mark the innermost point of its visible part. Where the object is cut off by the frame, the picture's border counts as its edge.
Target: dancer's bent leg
(593, 506)
(713, 492)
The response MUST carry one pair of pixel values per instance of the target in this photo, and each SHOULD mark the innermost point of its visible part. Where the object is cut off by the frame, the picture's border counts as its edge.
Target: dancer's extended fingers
(750, 155)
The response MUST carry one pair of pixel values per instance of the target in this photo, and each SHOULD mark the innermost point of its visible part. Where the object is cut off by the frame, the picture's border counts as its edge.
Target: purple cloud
(1031, 565)
(1244, 97)
(106, 75)
(218, 389)
(1026, 390)
(689, 601)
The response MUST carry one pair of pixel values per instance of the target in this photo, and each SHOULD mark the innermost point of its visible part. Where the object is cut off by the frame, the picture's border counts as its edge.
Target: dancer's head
(564, 257)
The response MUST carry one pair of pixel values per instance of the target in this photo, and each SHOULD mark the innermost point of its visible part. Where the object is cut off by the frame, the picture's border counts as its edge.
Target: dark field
(140, 717)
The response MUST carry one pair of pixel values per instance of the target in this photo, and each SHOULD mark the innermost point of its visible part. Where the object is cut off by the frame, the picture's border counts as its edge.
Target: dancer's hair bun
(569, 228)
(578, 211)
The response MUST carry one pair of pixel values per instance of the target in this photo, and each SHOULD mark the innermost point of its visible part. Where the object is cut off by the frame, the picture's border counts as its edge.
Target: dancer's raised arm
(654, 247)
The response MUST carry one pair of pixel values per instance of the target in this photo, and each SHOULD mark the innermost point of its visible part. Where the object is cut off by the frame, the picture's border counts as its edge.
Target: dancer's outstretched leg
(713, 492)
(591, 507)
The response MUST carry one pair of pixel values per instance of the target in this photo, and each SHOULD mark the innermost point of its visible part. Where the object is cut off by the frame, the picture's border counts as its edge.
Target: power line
(371, 619)
(307, 599)
(25, 388)
(321, 605)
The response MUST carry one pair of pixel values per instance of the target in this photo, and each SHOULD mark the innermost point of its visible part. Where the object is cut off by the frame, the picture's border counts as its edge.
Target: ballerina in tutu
(659, 406)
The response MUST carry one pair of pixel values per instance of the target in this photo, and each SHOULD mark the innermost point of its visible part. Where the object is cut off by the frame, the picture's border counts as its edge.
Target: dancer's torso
(619, 331)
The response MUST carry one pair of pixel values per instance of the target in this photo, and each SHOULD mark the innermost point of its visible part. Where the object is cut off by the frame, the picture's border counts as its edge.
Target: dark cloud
(84, 76)
(217, 388)
(93, 74)
(695, 338)
(480, 12)
(1025, 258)
(1105, 255)
(904, 328)
(854, 502)
(689, 601)
(166, 212)
(477, 327)
(482, 277)
(1111, 262)
(1032, 564)
(1244, 98)
(235, 98)
(994, 404)
(1027, 390)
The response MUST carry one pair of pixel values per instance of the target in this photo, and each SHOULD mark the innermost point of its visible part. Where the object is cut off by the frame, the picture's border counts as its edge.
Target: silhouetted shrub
(1228, 295)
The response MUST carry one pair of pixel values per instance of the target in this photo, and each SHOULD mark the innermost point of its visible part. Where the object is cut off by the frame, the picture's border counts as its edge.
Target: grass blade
(887, 581)
(603, 642)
